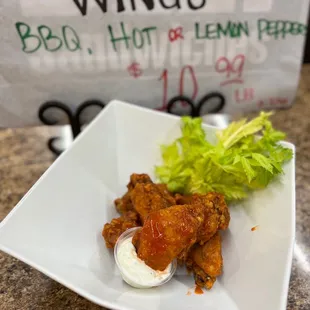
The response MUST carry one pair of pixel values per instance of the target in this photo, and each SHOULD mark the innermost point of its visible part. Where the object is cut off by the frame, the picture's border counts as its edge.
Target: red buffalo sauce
(254, 228)
(198, 290)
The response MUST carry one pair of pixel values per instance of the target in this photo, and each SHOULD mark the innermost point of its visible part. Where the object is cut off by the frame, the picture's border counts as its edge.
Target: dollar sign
(135, 70)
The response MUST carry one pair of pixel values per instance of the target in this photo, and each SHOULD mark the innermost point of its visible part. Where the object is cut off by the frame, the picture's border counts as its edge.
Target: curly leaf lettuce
(247, 156)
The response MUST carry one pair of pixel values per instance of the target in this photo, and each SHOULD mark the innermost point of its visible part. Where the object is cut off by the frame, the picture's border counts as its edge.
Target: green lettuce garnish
(247, 156)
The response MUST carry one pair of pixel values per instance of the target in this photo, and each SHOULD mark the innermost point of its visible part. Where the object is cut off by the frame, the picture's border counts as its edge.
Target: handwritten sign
(148, 51)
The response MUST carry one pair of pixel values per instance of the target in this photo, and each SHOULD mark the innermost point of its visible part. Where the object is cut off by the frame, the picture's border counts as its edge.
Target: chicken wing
(217, 215)
(206, 261)
(210, 210)
(142, 197)
(166, 233)
(124, 204)
(150, 197)
(112, 231)
(182, 227)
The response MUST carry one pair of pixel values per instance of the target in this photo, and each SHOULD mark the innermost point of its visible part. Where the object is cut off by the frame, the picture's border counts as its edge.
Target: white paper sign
(148, 51)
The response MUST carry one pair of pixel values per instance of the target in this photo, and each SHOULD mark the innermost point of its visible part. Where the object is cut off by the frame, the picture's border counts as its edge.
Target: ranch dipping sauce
(134, 270)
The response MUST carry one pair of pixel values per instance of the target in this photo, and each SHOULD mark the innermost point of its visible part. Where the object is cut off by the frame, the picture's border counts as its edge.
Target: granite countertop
(24, 157)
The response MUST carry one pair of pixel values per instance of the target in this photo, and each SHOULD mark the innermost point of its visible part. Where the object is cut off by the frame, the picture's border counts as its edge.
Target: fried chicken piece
(138, 179)
(112, 231)
(206, 261)
(163, 188)
(210, 209)
(166, 233)
(124, 204)
(150, 197)
(183, 199)
(217, 215)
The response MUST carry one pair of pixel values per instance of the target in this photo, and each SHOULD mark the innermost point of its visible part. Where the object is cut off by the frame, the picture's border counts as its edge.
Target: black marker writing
(149, 4)
(83, 6)
(196, 7)
(170, 6)
(131, 5)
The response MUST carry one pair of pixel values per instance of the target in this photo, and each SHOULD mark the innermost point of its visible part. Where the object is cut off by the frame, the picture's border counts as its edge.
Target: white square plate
(56, 227)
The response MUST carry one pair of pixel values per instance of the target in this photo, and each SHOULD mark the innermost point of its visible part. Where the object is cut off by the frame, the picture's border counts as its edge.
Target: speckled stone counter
(24, 157)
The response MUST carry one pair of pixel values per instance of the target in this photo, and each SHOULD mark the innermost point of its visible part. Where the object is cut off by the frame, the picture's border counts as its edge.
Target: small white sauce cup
(129, 233)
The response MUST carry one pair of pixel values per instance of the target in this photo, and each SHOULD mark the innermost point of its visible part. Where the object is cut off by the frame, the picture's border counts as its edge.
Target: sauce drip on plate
(198, 290)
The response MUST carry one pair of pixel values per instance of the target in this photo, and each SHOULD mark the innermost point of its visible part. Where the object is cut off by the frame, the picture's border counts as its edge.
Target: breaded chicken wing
(217, 215)
(150, 197)
(174, 227)
(206, 261)
(166, 233)
(211, 212)
(112, 231)
(124, 204)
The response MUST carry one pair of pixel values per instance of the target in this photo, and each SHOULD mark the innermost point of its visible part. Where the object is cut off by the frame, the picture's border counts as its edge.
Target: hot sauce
(198, 290)
(254, 228)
